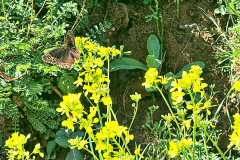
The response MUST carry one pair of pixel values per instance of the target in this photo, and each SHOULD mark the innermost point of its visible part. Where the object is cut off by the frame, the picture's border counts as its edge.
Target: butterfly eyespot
(48, 56)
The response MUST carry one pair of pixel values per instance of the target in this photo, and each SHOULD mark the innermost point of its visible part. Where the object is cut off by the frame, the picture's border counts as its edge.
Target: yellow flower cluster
(16, 147)
(152, 78)
(135, 97)
(74, 111)
(178, 147)
(107, 135)
(92, 69)
(190, 82)
(235, 137)
(236, 86)
(96, 86)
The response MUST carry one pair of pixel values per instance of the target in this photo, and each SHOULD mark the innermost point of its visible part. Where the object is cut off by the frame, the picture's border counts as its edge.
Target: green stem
(195, 122)
(169, 109)
(170, 134)
(91, 146)
(156, 1)
(90, 152)
(114, 116)
(29, 26)
(227, 150)
(3, 8)
(161, 39)
(205, 146)
(219, 150)
(135, 113)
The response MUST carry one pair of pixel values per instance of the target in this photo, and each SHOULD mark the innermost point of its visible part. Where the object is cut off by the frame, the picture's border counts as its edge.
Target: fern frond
(36, 124)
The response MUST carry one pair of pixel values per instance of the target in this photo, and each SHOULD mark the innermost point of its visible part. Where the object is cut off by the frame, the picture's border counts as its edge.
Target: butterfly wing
(74, 52)
(67, 60)
(70, 39)
(63, 55)
(55, 55)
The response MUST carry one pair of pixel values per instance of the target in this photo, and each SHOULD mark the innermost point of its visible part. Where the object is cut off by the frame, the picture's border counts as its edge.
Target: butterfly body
(64, 56)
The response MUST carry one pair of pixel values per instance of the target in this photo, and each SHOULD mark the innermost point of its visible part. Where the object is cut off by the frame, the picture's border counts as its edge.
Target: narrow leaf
(126, 63)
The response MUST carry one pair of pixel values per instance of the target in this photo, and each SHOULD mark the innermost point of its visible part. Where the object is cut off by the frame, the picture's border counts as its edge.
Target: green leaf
(77, 134)
(66, 84)
(188, 67)
(153, 46)
(62, 141)
(68, 15)
(126, 63)
(221, 9)
(74, 154)
(62, 132)
(150, 89)
(152, 62)
(50, 146)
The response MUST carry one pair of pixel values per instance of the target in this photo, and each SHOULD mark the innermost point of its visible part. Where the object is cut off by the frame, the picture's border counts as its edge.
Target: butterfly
(64, 56)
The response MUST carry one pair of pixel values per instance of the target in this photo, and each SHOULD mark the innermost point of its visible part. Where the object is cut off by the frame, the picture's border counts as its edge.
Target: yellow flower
(128, 136)
(95, 97)
(177, 96)
(137, 151)
(186, 143)
(173, 149)
(36, 150)
(115, 52)
(103, 51)
(199, 87)
(77, 143)
(79, 82)
(100, 146)
(163, 79)
(16, 147)
(136, 97)
(207, 105)
(168, 118)
(234, 139)
(150, 76)
(187, 123)
(236, 86)
(107, 101)
(99, 62)
(90, 46)
(69, 123)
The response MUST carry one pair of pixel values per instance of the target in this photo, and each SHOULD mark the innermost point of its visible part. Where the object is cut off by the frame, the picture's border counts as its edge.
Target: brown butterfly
(64, 56)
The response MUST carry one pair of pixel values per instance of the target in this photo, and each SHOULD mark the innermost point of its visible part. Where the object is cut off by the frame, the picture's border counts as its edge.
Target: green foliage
(179, 75)
(66, 85)
(229, 53)
(153, 47)
(154, 59)
(126, 63)
(151, 16)
(61, 139)
(25, 35)
(229, 7)
(99, 29)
